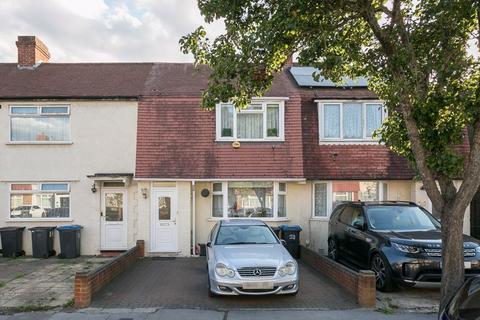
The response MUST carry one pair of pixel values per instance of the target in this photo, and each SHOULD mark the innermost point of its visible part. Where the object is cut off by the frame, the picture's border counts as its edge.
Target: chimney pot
(31, 51)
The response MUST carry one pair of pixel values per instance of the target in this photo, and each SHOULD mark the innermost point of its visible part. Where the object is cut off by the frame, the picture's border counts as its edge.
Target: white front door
(114, 220)
(164, 220)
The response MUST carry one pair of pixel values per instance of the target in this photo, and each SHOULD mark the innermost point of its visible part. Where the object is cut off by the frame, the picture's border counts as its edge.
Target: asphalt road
(197, 314)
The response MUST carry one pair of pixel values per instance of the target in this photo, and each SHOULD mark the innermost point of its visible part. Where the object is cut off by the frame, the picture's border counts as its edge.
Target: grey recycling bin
(12, 241)
(42, 242)
(69, 241)
(291, 235)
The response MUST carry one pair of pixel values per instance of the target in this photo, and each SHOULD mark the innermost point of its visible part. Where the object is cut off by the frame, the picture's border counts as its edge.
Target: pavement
(27, 283)
(182, 283)
(199, 314)
(424, 299)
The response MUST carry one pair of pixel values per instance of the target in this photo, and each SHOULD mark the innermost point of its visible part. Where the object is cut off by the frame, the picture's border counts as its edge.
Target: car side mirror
(359, 225)
(209, 244)
(283, 242)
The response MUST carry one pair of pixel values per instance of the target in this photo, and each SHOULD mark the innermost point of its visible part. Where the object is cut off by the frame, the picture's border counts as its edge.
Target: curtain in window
(217, 206)
(320, 199)
(331, 121)
(272, 120)
(227, 120)
(374, 118)
(250, 125)
(282, 210)
(40, 129)
(352, 121)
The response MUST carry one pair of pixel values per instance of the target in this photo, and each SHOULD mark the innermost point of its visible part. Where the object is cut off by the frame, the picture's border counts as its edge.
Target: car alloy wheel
(382, 272)
(332, 249)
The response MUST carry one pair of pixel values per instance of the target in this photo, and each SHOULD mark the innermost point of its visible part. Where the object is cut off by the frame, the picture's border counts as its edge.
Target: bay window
(39, 200)
(349, 121)
(40, 124)
(249, 199)
(327, 195)
(260, 121)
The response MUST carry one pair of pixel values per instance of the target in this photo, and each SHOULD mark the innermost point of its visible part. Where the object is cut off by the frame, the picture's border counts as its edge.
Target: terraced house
(124, 150)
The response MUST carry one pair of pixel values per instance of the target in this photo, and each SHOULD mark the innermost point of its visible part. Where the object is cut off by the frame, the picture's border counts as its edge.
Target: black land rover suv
(399, 241)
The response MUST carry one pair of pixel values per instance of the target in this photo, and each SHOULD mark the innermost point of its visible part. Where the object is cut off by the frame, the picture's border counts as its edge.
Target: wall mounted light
(94, 188)
(144, 193)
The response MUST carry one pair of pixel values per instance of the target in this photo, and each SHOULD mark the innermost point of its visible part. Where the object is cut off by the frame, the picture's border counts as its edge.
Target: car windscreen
(466, 303)
(247, 234)
(400, 218)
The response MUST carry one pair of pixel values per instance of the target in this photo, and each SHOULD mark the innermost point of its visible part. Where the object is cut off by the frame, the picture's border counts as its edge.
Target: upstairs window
(39, 124)
(260, 121)
(349, 121)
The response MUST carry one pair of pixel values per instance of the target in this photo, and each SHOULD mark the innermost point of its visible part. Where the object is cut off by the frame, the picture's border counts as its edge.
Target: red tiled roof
(74, 80)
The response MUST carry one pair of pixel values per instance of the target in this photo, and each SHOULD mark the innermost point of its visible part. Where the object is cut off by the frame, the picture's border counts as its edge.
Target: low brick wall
(361, 284)
(87, 283)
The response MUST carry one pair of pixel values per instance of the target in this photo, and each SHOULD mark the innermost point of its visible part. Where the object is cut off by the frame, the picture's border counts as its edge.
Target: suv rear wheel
(332, 249)
(383, 274)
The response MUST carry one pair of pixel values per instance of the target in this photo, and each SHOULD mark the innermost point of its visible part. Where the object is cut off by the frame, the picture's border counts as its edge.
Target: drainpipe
(193, 220)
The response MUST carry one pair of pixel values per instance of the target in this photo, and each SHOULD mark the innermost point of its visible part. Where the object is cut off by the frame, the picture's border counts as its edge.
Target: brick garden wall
(87, 283)
(361, 284)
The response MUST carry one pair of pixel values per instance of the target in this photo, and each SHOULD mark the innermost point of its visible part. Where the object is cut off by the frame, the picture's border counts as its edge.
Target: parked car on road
(399, 241)
(245, 257)
(465, 304)
(28, 212)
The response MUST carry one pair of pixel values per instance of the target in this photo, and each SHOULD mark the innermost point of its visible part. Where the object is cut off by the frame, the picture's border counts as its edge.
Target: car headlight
(406, 248)
(289, 268)
(224, 271)
(478, 249)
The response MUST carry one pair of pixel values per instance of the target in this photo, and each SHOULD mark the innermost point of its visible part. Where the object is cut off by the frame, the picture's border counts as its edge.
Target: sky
(102, 30)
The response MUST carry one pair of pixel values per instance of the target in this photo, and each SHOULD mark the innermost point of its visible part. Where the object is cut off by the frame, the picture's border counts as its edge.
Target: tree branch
(420, 156)
(470, 182)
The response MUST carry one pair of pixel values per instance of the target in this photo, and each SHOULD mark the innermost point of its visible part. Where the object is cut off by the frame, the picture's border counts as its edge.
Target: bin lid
(72, 227)
(11, 228)
(42, 228)
(285, 227)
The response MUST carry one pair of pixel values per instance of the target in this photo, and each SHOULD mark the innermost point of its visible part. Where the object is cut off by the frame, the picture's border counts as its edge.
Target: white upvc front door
(164, 220)
(114, 219)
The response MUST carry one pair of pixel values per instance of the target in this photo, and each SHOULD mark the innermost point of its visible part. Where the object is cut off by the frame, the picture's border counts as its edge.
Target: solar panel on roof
(304, 78)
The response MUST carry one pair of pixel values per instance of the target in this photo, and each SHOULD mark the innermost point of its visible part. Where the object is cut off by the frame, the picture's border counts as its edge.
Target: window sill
(373, 142)
(263, 219)
(251, 141)
(13, 220)
(320, 219)
(39, 143)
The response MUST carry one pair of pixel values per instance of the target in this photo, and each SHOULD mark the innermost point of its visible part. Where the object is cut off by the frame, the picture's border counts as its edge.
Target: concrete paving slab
(182, 314)
(426, 299)
(40, 282)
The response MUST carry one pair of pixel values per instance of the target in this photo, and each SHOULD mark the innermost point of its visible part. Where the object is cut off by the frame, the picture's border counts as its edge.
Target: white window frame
(263, 103)
(39, 115)
(329, 200)
(39, 191)
(364, 139)
(329, 184)
(276, 192)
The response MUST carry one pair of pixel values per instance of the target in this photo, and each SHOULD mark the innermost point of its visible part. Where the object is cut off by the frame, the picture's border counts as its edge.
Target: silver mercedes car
(245, 257)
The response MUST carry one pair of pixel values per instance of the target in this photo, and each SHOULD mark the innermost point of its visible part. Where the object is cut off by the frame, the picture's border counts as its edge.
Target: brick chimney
(31, 51)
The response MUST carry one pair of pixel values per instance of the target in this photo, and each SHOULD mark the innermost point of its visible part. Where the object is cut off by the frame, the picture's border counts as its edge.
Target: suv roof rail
(366, 203)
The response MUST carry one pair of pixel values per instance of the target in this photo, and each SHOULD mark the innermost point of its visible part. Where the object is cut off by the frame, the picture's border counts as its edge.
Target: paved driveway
(181, 283)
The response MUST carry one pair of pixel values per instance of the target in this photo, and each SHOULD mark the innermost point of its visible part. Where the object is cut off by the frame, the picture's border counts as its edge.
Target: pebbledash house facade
(125, 150)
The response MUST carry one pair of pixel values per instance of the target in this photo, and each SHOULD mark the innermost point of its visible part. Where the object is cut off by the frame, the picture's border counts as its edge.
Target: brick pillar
(83, 290)
(141, 248)
(366, 289)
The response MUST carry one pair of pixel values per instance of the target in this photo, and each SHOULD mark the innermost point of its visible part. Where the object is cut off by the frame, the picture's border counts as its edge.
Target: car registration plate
(257, 285)
(467, 264)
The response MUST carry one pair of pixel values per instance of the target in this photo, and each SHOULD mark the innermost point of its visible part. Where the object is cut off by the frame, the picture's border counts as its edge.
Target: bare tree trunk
(453, 270)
